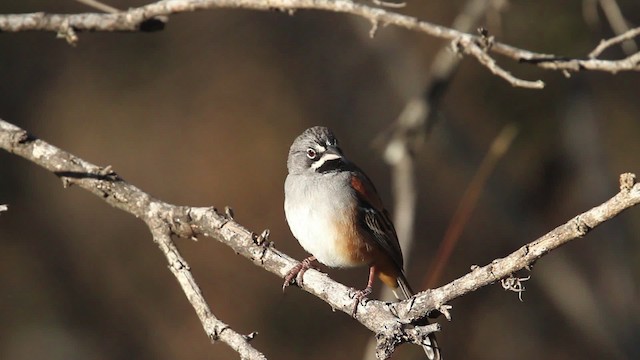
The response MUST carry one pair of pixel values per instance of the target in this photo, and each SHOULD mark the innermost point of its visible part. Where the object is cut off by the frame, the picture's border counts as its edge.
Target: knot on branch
(21, 137)
(262, 238)
(459, 45)
(215, 329)
(581, 228)
(399, 334)
(485, 41)
(67, 32)
(627, 181)
(180, 225)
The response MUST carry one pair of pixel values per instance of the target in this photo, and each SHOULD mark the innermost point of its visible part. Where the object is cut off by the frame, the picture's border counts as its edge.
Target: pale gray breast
(312, 205)
(329, 191)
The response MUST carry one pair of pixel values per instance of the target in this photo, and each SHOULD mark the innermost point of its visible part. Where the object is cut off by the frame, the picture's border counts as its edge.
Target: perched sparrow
(334, 211)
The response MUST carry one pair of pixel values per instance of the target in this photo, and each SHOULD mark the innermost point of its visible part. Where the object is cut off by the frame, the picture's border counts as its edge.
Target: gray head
(315, 150)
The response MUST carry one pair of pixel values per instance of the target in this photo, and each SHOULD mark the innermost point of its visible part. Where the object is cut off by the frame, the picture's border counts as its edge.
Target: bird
(336, 214)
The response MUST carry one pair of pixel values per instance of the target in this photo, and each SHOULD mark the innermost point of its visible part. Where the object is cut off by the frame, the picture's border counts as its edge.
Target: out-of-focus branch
(99, 5)
(407, 133)
(618, 24)
(393, 324)
(467, 204)
(605, 44)
(528, 254)
(152, 17)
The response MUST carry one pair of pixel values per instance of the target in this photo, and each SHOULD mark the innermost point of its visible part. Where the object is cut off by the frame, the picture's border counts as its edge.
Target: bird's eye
(311, 154)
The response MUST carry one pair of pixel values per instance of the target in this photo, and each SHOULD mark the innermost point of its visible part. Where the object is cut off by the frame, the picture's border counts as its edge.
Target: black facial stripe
(330, 165)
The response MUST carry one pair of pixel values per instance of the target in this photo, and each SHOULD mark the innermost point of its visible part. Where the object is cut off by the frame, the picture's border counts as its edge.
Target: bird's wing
(374, 217)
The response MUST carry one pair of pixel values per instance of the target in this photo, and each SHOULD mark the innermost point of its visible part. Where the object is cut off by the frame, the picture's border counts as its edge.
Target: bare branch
(3, 208)
(108, 185)
(389, 4)
(213, 327)
(605, 44)
(392, 323)
(152, 17)
(408, 132)
(527, 255)
(483, 58)
(553, 62)
(499, 147)
(618, 23)
(99, 5)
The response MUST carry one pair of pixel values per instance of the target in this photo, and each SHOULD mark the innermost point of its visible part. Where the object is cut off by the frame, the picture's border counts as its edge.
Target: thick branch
(387, 321)
(164, 219)
(110, 187)
(153, 17)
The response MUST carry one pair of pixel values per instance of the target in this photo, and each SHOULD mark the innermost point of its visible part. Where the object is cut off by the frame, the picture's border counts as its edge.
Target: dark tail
(430, 347)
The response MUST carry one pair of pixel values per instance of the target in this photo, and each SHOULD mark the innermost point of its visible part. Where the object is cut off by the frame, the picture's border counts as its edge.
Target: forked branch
(153, 17)
(387, 321)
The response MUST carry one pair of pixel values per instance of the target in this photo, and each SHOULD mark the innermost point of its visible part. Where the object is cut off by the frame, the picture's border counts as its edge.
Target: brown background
(203, 114)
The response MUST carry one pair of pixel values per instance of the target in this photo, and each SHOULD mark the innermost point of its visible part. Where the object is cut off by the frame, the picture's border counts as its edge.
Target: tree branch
(605, 44)
(388, 321)
(100, 6)
(106, 184)
(618, 24)
(407, 133)
(527, 255)
(153, 17)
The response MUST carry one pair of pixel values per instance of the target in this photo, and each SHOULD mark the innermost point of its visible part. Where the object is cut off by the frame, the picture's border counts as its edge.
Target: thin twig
(408, 132)
(499, 147)
(152, 17)
(388, 4)
(605, 44)
(483, 58)
(100, 6)
(618, 24)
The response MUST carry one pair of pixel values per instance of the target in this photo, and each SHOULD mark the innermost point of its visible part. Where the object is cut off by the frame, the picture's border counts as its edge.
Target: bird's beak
(332, 153)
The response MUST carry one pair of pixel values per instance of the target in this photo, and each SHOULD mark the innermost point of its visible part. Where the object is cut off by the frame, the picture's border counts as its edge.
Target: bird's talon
(358, 296)
(296, 273)
(286, 283)
(291, 276)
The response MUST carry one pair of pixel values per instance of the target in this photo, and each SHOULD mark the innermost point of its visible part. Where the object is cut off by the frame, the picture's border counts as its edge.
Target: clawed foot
(296, 273)
(360, 294)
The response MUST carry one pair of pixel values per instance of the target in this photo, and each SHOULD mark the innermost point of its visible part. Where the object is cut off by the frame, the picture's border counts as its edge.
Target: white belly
(311, 215)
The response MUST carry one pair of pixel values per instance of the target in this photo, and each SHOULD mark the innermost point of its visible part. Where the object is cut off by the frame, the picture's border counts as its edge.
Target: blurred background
(203, 114)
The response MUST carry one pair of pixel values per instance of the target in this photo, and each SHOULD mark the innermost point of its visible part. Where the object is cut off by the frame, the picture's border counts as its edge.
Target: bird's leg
(361, 294)
(297, 271)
